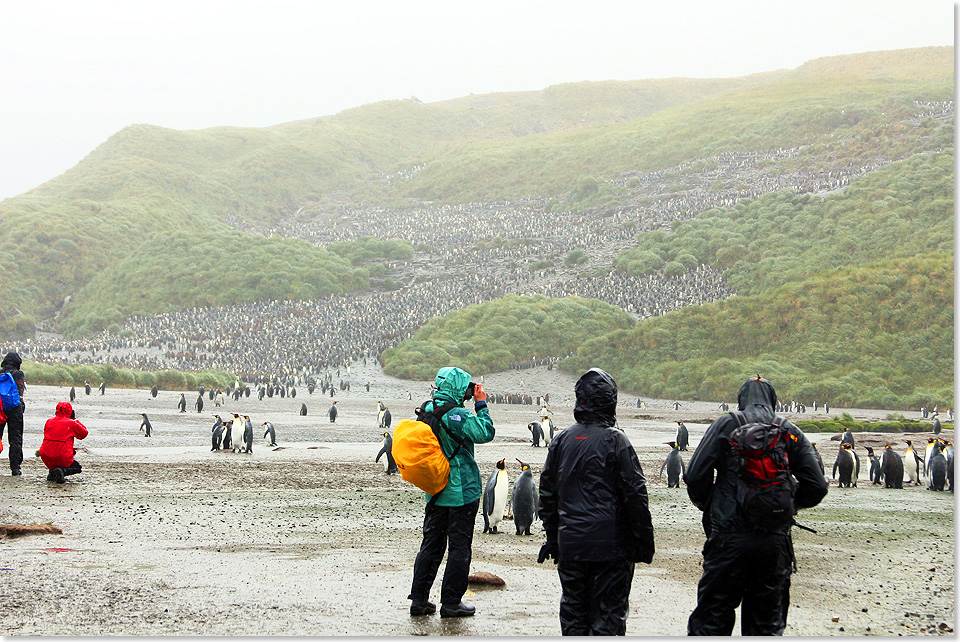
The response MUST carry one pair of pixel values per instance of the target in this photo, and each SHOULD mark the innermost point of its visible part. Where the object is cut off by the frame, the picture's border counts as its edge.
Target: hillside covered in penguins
(679, 233)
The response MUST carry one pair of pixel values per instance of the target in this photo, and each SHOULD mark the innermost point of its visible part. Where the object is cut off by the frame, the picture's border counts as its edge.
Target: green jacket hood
(451, 384)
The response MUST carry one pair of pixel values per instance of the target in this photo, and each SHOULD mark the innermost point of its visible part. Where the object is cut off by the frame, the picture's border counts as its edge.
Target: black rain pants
(443, 525)
(749, 568)
(596, 597)
(14, 427)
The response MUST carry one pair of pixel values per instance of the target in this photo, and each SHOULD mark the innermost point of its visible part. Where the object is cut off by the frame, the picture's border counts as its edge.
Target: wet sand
(163, 537)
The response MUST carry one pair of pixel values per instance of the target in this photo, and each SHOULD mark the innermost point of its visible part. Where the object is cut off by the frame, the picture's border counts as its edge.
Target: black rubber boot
(422, 607)
(457, 610)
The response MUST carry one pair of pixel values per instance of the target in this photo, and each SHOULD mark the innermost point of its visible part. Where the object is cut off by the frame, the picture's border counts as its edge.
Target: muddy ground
(163, 537)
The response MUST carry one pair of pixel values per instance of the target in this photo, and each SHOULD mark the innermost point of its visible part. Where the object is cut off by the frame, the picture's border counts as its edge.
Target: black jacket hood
(596, 393)
(757, 399)
(11, 362)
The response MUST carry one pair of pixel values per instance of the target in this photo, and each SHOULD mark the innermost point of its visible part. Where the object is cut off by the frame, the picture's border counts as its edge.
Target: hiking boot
(457, 610)
(58, 476)
(50, 475)
(15, 472)
(418, 607)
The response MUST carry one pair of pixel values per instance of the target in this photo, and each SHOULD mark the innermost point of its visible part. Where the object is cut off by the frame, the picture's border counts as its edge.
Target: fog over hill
(529, 193)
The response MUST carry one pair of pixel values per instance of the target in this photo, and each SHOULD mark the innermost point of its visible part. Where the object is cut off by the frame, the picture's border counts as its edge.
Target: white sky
(73, 73)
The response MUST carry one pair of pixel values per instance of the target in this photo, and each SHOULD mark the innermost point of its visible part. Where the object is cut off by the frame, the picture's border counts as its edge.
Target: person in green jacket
(449, 517)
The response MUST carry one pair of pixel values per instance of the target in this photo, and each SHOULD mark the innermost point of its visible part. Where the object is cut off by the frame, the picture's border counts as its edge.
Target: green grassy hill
(155, 219)
(877, 336)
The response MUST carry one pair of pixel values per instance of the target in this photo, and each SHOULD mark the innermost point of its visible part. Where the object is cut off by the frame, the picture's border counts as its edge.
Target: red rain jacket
(56, 451)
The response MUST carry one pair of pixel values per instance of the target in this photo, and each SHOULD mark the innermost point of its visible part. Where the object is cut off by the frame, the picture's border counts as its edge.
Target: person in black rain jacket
(593, 503)
(743, 563)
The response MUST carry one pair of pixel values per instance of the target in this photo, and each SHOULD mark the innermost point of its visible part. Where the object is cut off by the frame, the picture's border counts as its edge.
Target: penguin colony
(932, 468)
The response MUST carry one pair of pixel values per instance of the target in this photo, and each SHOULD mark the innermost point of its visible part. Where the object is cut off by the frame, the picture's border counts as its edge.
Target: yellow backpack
(417, 451)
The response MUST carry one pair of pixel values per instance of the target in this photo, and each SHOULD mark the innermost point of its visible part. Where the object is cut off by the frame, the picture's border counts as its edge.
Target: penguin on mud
(936, 424)
(848, 465)
(145, 425)
(683, 437)
(153, 391)
(937, 467)
(182, 403)
(912, 464)
(875, 473)
(269, 430)
(495, 497)
(236, 434)
(816, 451)
(948, 453)
(524, 500)
(227, 435)
(247, 435)
(386, 419)
(536, 433)
(217, 434)
(674, 465)
(891, 467)
(548, 428)
(847, 438)
(927, 454)
(332, 413)
(389, 465)
(73, 393)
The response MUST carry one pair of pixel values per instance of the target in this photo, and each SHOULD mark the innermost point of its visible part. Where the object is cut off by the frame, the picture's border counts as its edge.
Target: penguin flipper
(380, 454)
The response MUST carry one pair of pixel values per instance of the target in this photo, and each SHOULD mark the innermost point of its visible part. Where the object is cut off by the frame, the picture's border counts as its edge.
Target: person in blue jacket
(450, 515)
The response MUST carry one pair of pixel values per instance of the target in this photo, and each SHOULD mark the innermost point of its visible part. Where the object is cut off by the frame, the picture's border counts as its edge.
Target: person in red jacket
(57, 451)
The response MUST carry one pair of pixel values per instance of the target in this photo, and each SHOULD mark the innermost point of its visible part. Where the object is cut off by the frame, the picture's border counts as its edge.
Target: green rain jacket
(464, 486)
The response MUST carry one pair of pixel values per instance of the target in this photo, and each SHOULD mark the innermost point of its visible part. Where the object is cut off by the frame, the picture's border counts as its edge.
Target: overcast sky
(73, 73)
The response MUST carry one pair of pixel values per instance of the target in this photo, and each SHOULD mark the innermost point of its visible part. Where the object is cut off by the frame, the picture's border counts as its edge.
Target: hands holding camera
(479, 394)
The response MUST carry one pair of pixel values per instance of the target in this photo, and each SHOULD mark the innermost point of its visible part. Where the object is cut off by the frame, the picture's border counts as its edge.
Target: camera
(469, 393)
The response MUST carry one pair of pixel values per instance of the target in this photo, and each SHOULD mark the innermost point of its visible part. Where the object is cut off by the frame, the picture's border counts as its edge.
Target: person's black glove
(548, 550)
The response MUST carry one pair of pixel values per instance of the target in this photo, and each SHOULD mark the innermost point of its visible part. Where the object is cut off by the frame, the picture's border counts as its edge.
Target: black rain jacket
(717, 497)
(11, 363)
(593, 495)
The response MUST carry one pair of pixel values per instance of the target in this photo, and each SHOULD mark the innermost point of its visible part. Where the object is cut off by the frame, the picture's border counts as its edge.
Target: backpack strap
(434, 419)
(438, 413)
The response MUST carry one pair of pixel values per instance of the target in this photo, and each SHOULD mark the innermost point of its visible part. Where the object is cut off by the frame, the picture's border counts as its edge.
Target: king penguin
(912, 464)
(674, 465)
(548, 430)
(847, 464)
(495, 497)
(891, 467)
(847, 438)
(332, 413)
(217, 434)
(524, 500)
(927, 454)
(948, 453)
(683, 436)
(236, 433)
(270, 430)
(247, 435)
(536, 433)
(389, 465)
(875, 474)
(937, 467)
(227, 435)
